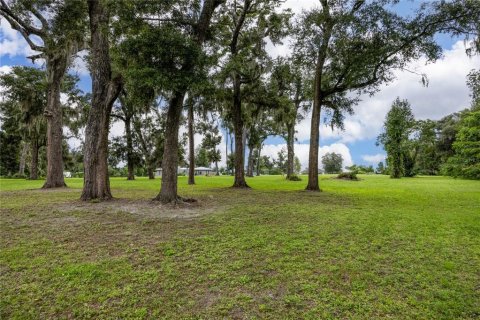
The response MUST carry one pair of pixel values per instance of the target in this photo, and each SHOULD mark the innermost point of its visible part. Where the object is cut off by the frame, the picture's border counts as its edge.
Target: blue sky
(446, 93)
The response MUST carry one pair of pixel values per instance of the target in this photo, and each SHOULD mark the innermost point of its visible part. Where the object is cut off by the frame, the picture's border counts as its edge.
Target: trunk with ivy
(105, 90)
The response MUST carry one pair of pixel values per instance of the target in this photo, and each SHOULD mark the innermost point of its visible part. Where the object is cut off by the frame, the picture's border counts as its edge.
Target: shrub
(348, 176)
(294, 178)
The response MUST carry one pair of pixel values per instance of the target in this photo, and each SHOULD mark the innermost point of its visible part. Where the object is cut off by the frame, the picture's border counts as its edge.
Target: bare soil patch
(142, 208)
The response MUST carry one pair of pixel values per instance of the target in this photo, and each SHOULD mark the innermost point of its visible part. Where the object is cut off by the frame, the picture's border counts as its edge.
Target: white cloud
(79, 64)
(373, 158)
(12, 43)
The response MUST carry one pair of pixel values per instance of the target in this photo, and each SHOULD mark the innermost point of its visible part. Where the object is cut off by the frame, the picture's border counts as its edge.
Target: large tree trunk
(128, 133)
(191, 144)
(239, 181)
(56, 68)
(34, 160)
(23, 159)
(168, 190)
(290, 149)
(104, 92)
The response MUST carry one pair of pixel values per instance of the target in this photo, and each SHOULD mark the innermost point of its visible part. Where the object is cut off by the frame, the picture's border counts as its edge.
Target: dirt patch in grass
(142, 208)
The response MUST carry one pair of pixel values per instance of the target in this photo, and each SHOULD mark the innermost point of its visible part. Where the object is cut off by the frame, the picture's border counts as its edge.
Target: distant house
(203, 171)
(67, 174)
(200, 171)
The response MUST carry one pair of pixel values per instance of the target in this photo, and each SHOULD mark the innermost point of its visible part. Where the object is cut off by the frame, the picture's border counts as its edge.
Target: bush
(348, 176)
(294, 178)
(19, 176)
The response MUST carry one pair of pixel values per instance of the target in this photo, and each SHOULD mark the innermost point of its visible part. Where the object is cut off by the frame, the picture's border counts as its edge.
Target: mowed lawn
(373, 249)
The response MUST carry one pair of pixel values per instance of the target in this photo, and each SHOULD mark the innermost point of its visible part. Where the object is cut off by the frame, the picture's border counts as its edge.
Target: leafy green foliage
(398, 125)
(332, 162)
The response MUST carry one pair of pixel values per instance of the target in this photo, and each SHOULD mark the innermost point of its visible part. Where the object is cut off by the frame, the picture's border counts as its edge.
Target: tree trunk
(250, 162)
(191, 144)
(226, 148)
(128, 133)
(23, 159)
(34, 160)
(56, 67)
(258, 159)
(168, 190)
(239, 181)
(216, 169)
(317, 105)
(290, 149)
(105, 90)
(151, 172)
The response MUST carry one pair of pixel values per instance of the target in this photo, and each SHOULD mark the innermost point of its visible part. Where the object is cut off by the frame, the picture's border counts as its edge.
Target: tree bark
(128, 133)
(290, 149)
(239, 181)
(191, 144)
(23, 159)
(34, 160)
(105, 90)
(168, 190)
(56, 68)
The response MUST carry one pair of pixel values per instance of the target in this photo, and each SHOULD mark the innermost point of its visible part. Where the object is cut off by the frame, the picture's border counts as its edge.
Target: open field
(376, 248)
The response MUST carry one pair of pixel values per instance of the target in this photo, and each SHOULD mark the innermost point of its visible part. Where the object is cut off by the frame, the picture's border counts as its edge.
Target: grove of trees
(159, 65)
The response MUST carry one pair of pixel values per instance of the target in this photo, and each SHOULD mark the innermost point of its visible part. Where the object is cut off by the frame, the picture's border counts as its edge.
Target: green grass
(370, 249)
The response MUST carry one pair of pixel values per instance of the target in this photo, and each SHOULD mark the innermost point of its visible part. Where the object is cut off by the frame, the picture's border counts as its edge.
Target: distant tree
(332, 162)
(281, 162)
(397, 127)
(466, 161)
(201, 157)
(380, 168)
(297, 167)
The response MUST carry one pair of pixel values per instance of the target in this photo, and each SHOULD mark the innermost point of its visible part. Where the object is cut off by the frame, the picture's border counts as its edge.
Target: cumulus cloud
(12, 43)
(373, 158)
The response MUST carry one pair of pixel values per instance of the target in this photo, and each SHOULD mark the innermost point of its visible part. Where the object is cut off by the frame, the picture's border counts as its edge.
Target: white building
(199, 171)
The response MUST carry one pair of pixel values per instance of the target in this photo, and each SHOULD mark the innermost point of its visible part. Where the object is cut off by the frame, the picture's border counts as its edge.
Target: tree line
(449, 146)
(151, 61)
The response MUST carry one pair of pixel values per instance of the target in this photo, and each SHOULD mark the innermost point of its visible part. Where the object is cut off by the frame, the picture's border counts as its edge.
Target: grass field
(373, 249)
